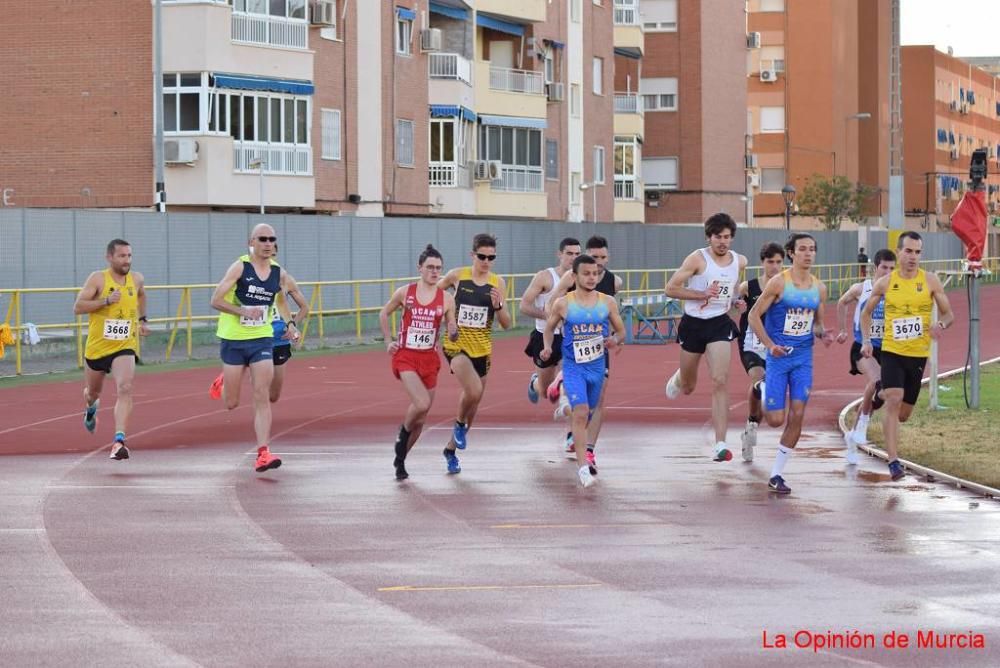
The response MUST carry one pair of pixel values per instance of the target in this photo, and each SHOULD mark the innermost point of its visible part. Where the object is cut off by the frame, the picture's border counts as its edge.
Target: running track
(184, 556)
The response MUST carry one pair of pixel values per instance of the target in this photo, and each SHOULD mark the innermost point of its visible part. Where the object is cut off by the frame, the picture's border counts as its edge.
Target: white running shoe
(749, 440)
(585, 478)
(852, 450)
(673, 388)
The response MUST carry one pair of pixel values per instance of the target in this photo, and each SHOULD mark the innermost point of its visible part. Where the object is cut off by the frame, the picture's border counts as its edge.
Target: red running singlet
(418, 331)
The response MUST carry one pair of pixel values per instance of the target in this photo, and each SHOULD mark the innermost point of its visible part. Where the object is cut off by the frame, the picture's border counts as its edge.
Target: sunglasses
(486, 258)
(264, 240)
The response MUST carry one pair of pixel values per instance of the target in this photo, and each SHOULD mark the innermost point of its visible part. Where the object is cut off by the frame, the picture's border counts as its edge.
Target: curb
(931, 475)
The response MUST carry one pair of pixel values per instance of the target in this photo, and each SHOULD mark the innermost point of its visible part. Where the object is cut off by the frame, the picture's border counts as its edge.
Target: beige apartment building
(495, 108)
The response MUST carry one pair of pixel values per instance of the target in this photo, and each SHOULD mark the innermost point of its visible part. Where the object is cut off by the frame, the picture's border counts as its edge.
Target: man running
(115, 300)
(533, 302)
(707, 282)
(478, 298)
(752, 351)
(909, 293)
(859, 293)
(793, 301)
(586, 314)
(415, 359)
(244, 298)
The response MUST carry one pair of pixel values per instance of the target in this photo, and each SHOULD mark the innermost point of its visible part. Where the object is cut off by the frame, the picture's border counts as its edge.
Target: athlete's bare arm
(219, 302)
(844, 303)
(140, 294)
(451, 323)
(557, 312)
(945, 315)
(540, 284)
(449, 280)
(87, 301)
(617, 341)
(499, 304)
(562, 287)
(394, 304)
(771, 293)
(619, 282)
(693, 264)
(878, 292)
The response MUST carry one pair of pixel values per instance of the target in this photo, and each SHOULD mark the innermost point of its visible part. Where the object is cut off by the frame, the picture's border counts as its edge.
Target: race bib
(254, 322)
(878, 329)
(588, 350)
(752, 344)
(473, 317)
(798, 323)
(117, 330)
(904, 329)
(725, 295)
(418, 338)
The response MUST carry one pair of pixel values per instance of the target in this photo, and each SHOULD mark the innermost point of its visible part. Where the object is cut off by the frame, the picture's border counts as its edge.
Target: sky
(968, 26)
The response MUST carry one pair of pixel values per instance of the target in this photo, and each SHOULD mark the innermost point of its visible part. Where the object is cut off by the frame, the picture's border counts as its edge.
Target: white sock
(780, 460)
(862, 425)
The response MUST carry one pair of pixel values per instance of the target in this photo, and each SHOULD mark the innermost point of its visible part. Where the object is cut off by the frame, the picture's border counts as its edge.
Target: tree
(859, 203)
(830, 200)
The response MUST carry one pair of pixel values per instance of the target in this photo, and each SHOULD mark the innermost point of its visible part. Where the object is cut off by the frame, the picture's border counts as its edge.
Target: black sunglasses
(485, 257)
(264, 240)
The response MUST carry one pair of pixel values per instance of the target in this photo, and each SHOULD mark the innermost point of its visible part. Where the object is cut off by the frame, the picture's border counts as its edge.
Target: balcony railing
(449, 175)
(517, 81)
(288, 159)
(625, 189)
(519, 180)
(450, 66)
(626, 12)
(270, 30)
(627, 103)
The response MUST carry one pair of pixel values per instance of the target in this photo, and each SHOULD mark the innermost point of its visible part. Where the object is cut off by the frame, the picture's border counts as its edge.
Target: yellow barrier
(838, 278)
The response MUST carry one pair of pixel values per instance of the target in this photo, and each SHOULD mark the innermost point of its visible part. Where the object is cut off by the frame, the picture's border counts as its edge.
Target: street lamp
(788, 194)
(860, 116)
(593, 189)
(259, 165)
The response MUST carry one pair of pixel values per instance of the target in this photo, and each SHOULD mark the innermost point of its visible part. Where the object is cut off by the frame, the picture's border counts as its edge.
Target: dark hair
(770, 249)
(430, 251)
(568, 241)
(909, 235)
(884, 255)
(115, 243)
(483, 240)
(583, 259)
(596, 241)
(795, 238)
(718, 223)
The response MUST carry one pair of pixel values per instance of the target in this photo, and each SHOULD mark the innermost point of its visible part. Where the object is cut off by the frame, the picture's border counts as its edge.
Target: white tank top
(866, 291)
(727, 277)
(543, 298)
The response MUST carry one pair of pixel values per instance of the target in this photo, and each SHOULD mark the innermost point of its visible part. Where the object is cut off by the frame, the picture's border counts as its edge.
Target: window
(659, 15)
(182, 95)
(514, 147)
(442, 147)
(574, 100)
(598, 164)
(772, 5)
(291, 9)
(598, 76)
(772, 58)
(772, 119)
(268, 118)
(772, 179)
(662, 102)
(626, 149)
(404, 143)
(574, 188)
(551, 159)
(658, 94)
(575, 10)
(550, 67)
(404, 32)
(330, 122)
(660, 173)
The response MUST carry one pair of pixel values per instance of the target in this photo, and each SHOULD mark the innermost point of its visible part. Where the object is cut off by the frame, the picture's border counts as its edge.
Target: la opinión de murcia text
(6, 197)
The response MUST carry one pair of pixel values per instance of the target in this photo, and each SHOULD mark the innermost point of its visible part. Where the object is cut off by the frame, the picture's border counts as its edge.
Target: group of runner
(577, 327)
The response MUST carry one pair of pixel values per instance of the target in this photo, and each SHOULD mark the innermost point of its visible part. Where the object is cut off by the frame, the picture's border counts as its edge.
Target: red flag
(969, 224)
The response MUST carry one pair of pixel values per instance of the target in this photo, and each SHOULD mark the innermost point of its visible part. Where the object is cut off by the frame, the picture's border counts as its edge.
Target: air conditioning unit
(556, 92)
(768, 75)
(180, 151)
(323, 13)
(954, 154)
(753, 179)
(753, 40)
(430, 39)
(750, 161)
(494, 169)
(481, 171)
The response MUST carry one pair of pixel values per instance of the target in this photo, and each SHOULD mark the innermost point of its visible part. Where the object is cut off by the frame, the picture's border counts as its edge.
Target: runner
(533, 302)
(707, 282)
(794, 299)
(478, 298)
(586, 314)
(115, 300)
(885, 262)
(415, 359)
(752, 351)
(245, 297)
(909, 292)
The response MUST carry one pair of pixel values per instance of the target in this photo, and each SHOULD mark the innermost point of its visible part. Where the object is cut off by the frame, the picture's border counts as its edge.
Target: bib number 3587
(473, 317)
(588, 350)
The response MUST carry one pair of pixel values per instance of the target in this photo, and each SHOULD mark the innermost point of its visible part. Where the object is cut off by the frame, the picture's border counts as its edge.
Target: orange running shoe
(265, 460)
(215, 391)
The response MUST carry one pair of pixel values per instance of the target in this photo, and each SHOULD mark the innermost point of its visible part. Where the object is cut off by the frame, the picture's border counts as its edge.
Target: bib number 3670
(588, 350)
(473, 317)
(117, 330)
(904, 329)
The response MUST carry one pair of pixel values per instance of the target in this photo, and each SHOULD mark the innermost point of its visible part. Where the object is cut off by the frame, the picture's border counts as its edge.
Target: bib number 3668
(117, 330)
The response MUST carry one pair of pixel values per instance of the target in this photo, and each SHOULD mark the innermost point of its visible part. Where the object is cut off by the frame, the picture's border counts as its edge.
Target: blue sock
(120, 436)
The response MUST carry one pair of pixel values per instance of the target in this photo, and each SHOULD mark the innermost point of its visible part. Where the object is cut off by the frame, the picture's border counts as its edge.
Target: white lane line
(191, 487)
(657, 408)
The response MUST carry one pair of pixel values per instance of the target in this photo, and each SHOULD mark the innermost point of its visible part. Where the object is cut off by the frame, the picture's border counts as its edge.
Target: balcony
(626, 12)
(625, 189)
(449, 66)
(449, 175)
(287, 159)
(509, 92)
(627, 103)
(524, 10)
(629, 119)
(270, 30)
(519, 180)
(516, 81)
(628, 26)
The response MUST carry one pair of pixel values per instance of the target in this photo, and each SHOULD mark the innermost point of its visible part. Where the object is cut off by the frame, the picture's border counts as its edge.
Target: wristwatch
(143, 319)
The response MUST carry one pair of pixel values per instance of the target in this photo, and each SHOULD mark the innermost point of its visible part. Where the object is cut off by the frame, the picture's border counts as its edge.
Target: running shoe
(401, 473)
(673, 388)
(215, 391)
(458, 433)
(265, 460)
(722, 453)
(532, 392)
(777, 484)
(896, 470)
(859, 435)
(591, 461)
(852, 450)
(90, 417)
(586, 479)
(749, 440)
(570, 450)
(877, 401)
(452, 459)
(553, 390)
(119, 451)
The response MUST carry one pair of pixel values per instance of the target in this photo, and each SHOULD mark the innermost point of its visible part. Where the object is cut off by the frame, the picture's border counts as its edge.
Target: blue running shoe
(452, 459)
(896, 470)
(777, 484)
(90, 417)
(532, 392)
(458, 433)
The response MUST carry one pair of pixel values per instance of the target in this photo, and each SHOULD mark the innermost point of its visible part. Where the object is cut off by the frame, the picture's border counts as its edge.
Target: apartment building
(407, 107)
(950, 109)
(817, 97)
